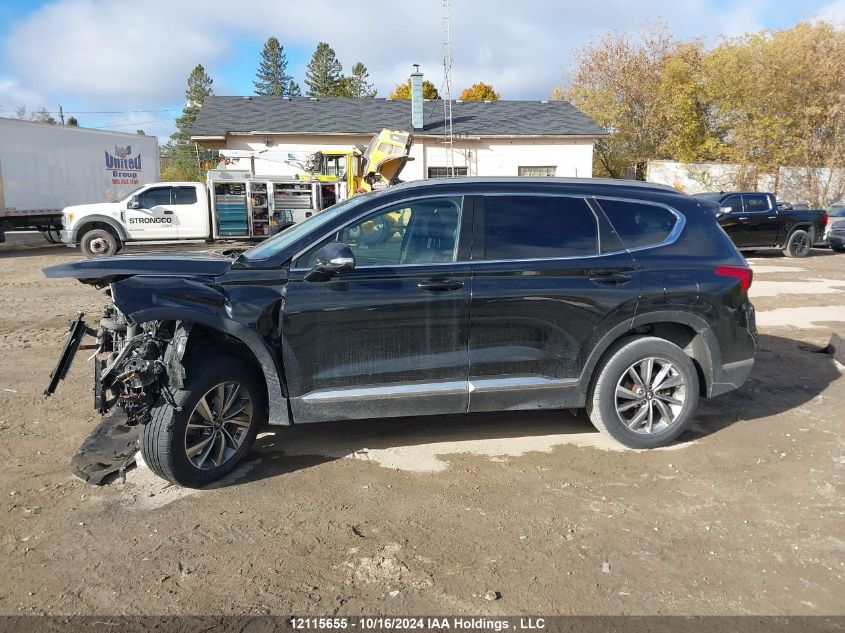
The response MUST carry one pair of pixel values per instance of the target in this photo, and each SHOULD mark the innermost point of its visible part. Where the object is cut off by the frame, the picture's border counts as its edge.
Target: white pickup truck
(232, 205)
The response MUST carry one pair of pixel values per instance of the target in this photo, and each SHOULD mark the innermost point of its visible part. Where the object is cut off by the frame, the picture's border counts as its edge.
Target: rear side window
(185, 195)
(538, 227)
(755, 202)
(639, 224)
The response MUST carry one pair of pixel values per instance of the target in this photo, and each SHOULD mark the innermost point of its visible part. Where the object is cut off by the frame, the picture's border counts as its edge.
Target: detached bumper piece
(110, 449)
(76, 331)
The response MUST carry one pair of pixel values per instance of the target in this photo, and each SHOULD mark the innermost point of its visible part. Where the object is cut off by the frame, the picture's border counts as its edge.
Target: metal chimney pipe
(416, 98)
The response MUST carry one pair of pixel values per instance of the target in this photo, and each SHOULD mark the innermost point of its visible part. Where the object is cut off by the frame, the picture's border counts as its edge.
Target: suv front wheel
(214, 423)
(645, 392)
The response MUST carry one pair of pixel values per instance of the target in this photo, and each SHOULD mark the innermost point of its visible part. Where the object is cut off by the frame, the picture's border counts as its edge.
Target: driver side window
(417, 232)
(154, 197)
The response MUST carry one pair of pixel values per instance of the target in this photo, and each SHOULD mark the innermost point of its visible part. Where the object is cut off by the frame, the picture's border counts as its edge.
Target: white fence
(819, 187)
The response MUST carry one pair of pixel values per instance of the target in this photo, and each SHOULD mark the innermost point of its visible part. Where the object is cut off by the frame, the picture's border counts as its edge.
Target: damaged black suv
(433, 297)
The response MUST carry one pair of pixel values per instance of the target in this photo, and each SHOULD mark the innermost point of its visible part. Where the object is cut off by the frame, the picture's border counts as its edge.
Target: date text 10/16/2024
(417, 623)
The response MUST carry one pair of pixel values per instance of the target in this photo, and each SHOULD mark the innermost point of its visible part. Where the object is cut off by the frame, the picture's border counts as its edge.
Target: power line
(106, 127)
(104, 111)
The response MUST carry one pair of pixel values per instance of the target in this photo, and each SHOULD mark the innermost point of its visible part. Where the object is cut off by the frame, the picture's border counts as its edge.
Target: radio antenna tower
(448, 140)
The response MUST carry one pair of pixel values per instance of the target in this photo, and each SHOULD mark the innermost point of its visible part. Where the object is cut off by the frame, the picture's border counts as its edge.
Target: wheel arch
(91, 222)
(689, 332)
(245, 344)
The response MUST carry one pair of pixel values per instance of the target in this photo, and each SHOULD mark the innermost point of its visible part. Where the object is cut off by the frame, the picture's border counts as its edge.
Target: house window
(445, 172)
(548, 170)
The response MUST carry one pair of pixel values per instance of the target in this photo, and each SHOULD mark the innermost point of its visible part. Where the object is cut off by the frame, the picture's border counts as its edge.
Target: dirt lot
(745, 515)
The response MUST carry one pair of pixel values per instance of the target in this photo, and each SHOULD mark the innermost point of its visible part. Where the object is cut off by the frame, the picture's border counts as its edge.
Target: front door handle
(610, 279)
(167, 212)
(444, 285)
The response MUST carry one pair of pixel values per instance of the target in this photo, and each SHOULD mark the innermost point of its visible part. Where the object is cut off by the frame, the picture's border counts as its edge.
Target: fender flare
(102, 219)
(277, 402)
(708, 349)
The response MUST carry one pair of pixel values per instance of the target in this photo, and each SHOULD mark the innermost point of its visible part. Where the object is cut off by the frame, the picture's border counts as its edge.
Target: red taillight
(825, 219)
(737, 272)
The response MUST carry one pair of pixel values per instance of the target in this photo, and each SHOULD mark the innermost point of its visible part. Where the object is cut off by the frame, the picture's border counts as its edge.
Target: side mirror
(133, 203)
(333, 258)
(724, 210)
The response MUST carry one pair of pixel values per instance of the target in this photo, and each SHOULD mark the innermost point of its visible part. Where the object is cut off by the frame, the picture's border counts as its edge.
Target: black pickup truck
(755, 220)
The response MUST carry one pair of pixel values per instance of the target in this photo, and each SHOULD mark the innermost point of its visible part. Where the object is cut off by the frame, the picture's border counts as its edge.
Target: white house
(498, 138)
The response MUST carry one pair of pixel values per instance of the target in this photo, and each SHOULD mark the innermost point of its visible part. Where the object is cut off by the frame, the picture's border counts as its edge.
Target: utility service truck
(234, 204)
(44, 168)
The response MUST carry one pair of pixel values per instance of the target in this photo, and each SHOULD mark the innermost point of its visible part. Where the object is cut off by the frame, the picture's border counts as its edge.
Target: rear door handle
(444, 285)
(167, 212)
(610, 279)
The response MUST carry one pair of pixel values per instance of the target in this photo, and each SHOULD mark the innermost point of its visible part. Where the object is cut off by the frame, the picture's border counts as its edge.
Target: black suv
(432, 297)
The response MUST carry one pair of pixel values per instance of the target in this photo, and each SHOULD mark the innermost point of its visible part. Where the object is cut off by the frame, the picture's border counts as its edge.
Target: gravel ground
(744, 515)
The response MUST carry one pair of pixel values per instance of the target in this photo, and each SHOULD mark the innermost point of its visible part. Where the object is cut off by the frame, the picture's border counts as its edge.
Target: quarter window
(639, 224)
(155, 197)
(538, 227)
(417, 232)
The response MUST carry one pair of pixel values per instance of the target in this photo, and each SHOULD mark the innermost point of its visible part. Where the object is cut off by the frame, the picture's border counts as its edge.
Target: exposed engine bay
(135, 366)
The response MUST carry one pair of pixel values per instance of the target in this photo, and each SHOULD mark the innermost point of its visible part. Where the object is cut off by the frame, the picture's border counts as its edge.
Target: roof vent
(544, 101)
(286, 98)
(459, 100)
(247, 98)
(388, 99)
(313, 99)
(487, 101)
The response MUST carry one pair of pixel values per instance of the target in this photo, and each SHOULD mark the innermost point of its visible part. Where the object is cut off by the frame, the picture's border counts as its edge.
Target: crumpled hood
(106, 269)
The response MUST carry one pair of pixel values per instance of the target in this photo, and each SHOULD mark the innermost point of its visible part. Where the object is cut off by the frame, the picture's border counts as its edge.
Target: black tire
(164, 440)
(838, 249)
(799, 244)
(99, 243)
(613, 371)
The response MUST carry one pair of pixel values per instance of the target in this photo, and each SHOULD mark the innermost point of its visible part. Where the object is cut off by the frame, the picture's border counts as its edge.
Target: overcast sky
(102, 59)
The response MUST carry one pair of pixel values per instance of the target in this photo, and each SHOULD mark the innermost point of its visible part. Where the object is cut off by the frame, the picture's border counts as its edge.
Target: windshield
(287, 237)
(131, 192)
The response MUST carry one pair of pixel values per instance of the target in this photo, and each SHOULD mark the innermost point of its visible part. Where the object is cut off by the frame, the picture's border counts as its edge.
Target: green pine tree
(271, 78)
(179, 156)
(324, 73)
(359, 85)
(293, 89)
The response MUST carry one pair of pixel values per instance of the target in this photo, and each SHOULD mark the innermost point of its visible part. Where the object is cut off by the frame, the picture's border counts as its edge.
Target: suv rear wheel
(645, 392)
(215, 421)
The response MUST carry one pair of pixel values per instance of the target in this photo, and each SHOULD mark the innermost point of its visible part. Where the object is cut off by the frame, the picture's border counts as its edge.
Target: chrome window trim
(673, 236)
(376, 210)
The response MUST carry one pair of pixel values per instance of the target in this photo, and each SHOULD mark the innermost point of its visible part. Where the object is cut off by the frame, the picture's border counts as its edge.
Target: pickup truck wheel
(838, 249)
(98, 242)
(645, 392)
(212, 427)
(798, 244)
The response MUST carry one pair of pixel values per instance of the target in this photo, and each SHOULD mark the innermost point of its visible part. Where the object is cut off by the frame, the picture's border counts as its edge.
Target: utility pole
(61, 114)
(448, 137)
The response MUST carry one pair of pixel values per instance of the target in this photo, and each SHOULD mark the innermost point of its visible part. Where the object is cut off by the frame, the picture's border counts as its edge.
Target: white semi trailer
(45, 168)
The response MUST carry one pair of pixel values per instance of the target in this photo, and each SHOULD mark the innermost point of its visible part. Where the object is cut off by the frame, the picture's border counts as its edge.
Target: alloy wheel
(218, 425)
(650, 395)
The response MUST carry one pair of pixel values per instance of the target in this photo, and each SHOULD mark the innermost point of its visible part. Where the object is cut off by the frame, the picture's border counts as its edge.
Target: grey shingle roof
(221, 115)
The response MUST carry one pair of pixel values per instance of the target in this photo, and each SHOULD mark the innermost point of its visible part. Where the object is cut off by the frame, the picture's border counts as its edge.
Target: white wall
(488, 156)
